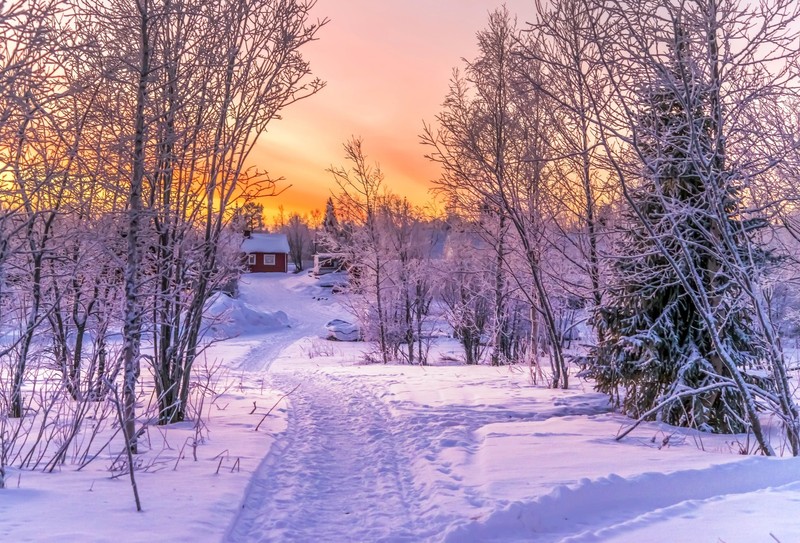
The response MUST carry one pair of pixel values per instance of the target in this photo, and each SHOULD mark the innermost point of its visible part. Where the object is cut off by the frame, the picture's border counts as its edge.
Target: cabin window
(251, 259)
(269, 260)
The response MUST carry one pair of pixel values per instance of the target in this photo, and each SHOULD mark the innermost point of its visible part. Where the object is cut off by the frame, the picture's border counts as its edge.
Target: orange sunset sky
(387, 64)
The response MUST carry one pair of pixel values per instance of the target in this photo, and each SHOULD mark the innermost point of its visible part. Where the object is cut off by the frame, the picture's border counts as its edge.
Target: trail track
(335, 475)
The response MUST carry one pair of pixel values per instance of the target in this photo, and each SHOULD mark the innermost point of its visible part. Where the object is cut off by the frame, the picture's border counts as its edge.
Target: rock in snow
(340, 330)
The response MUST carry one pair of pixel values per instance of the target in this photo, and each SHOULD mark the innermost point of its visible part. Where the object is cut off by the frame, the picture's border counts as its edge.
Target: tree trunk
(131, 331)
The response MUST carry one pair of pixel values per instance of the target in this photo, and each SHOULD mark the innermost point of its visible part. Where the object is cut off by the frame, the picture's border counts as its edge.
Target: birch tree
(359, 200)
(489, 143)
(252, 70)
(194, 93)
(573, 87)
(36, 159)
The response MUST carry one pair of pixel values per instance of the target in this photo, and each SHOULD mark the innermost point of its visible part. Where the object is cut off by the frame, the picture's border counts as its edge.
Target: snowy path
(351, 468)
(307, 306)
(336, 474)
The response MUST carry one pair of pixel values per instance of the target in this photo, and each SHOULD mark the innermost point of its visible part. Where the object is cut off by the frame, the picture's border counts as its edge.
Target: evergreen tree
(656, 347)
(331, 232)
(249, 217)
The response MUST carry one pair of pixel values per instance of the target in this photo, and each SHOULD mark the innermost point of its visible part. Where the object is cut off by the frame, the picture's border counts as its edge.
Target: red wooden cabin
(266, 252)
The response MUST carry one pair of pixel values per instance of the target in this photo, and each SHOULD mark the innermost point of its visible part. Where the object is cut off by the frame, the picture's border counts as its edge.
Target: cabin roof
(265, 243)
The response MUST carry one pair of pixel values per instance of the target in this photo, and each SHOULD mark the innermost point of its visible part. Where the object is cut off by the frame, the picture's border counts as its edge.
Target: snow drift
(231, 317)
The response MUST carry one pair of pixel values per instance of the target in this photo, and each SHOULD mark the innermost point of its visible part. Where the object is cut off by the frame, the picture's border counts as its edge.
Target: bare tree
(410, 242)
(573, 82)
(490, 144)
(193, 95)
(40, 138)
(299, 236)
(361, 193)
(463, 290)
(251, 51)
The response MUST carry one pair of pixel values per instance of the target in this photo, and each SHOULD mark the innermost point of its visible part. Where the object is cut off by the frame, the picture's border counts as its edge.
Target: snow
(354, 452)
(265, 243)
(228, 317)
(340, 330)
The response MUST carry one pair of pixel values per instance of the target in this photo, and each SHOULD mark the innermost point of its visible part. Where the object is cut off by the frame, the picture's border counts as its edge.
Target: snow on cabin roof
(265, 243)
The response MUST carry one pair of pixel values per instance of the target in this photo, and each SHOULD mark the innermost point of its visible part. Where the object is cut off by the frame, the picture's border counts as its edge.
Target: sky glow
(387, 64)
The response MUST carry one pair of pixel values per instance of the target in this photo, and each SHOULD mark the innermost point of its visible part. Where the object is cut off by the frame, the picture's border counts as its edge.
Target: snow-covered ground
(361, 453)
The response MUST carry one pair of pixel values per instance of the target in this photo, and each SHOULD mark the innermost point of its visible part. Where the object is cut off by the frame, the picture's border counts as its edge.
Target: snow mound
(335, 280)
(571, 512)
(229, 317)
(341, 330)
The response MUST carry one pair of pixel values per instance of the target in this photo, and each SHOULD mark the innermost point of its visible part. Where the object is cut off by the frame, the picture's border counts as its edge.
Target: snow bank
(191, 477)
(600, 509)
(230, 317)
